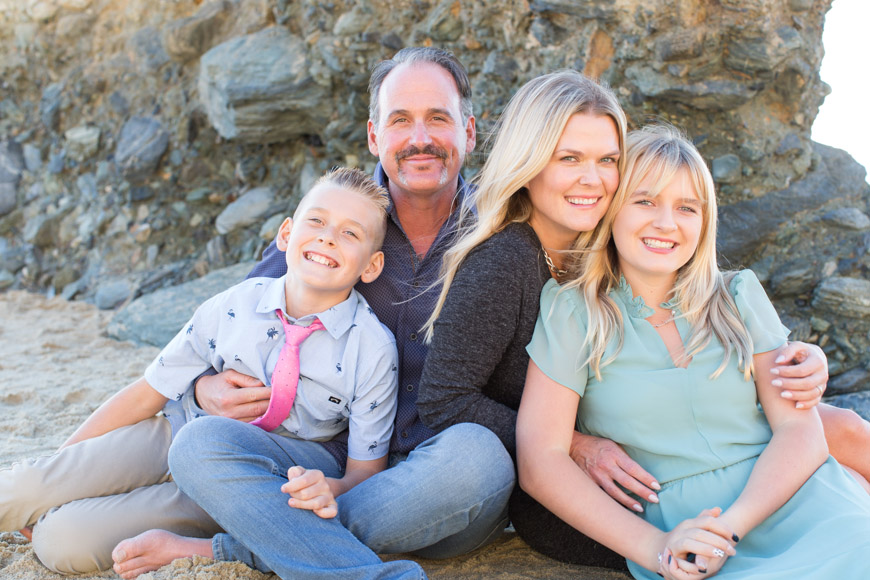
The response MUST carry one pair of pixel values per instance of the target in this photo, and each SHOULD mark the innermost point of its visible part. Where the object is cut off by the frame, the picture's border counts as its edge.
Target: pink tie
(285, 377)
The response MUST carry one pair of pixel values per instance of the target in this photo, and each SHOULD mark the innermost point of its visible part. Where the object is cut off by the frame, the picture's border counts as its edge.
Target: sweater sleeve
(477, 324)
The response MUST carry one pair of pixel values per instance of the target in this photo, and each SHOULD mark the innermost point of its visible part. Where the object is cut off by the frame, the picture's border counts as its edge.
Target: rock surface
(131, 131)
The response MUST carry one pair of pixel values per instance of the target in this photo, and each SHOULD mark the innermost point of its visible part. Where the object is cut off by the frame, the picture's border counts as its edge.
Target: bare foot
(154, 549)
(27, 532)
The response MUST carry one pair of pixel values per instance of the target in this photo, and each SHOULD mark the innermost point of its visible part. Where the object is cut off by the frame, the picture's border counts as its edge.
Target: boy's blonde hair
(523, 142)
(658, 153)
(356, 181)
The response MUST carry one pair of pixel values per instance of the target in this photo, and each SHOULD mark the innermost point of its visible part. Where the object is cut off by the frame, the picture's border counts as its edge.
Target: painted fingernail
(702, 570)
(799, 406)
(779, 359)
(718, 553)
(636, 507)
(660, 574)
(776, 383)
(786, 395)
(735, 537)
(669, 559)
(653, 498)
(655, 485)
(690, 557)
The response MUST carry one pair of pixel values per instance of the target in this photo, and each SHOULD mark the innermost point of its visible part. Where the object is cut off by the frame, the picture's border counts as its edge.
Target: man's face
(421, 138)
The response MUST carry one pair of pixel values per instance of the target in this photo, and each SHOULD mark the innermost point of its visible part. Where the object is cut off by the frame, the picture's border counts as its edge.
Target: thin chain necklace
(558, 272)
(668, 320)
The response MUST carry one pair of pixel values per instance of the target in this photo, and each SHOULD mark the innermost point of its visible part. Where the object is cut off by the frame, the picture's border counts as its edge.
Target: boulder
(257, 88)
(187, 38)
(249, 209)
(155, 318)
(141, 144)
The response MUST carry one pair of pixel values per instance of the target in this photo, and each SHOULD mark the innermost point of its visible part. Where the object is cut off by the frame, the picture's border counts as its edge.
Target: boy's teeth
(319, 260)
(658, 243)
(582, 200)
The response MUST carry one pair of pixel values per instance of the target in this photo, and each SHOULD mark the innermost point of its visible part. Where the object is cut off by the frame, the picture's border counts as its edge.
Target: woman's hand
(697, 547)
(309, 490)
(801, 374)
(608, 465)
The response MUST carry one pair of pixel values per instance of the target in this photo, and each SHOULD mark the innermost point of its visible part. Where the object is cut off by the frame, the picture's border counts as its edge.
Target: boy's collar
(336, 319)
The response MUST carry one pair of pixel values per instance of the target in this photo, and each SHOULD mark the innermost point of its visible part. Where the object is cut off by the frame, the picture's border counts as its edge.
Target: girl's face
(571, 194)
(656, 236)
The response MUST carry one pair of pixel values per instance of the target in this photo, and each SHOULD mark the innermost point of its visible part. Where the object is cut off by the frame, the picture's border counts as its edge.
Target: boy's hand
(232, 394)
(309, 490)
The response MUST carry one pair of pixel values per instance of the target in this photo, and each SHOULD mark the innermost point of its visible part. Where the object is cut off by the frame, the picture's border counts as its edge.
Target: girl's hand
(697, 547)
(801, 374)
(309, 490)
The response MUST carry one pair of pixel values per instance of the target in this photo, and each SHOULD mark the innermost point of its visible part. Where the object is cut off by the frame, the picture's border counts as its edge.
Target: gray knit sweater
(476, 365)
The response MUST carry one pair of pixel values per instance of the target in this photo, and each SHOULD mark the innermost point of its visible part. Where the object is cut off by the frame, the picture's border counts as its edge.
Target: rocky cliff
(144, 143)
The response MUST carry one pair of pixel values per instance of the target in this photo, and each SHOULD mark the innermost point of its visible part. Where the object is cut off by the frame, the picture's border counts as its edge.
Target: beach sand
(58, 365)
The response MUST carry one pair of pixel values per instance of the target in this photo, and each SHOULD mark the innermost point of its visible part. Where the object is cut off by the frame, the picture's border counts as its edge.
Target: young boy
(347, 380)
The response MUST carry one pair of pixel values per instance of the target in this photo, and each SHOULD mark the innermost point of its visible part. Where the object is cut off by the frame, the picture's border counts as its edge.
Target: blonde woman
(652, 346)
(552, 170)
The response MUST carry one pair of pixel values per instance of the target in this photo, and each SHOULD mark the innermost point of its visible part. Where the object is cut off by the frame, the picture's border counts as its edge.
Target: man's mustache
(438, 152)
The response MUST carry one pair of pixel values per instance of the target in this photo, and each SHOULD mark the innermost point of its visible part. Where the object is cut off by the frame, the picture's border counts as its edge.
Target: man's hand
(309, 490)
(232, 394)
(802, 374)
(608, 465)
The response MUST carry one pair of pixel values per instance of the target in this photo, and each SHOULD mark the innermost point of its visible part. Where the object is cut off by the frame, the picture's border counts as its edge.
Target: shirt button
(404, 434)
(413, 336)
(410, 388)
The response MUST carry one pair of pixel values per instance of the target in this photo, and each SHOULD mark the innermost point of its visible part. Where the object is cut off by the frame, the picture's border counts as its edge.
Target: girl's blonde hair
(658, 153)
(523, 142)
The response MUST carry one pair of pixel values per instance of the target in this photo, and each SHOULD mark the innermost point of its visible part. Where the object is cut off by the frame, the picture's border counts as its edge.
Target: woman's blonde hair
(522, 144)
(658, 153)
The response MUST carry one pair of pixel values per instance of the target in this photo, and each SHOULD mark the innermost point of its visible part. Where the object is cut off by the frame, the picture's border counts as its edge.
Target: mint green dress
(700, 438)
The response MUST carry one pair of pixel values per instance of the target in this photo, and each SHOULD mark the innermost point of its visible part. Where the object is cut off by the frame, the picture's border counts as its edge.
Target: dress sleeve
(559, 335)
(757, 312)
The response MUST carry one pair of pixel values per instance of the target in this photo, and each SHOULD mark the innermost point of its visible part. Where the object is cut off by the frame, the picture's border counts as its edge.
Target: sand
(58, 365)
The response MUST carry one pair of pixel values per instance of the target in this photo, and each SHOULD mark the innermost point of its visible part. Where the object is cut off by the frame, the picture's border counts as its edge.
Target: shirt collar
(336, 319)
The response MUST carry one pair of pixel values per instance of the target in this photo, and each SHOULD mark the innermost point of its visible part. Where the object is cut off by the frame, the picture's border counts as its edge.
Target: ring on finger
(718, 553)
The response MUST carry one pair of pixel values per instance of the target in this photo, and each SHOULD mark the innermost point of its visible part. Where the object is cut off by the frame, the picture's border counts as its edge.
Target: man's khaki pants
(89, 496)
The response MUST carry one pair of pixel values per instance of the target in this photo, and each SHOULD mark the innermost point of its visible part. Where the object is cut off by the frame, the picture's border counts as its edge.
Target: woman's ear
(284, 234)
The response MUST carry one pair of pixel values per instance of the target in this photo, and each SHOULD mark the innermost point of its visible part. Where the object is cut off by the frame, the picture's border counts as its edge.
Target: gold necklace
(557, 271)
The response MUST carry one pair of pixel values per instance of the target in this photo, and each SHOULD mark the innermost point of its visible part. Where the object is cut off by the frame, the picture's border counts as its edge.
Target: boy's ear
(374, 269)
(284, 234)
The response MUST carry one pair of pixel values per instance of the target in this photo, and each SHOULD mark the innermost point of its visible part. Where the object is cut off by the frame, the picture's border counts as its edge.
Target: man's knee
(63, 546)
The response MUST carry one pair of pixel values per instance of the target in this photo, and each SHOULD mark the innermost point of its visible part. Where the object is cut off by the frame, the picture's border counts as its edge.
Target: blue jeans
(448, 497)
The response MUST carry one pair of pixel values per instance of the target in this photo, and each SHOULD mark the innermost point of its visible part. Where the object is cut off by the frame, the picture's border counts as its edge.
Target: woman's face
(571, 194)
(656, 236)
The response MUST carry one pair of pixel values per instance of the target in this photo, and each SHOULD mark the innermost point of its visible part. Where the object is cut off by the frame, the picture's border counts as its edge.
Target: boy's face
(330, 242)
